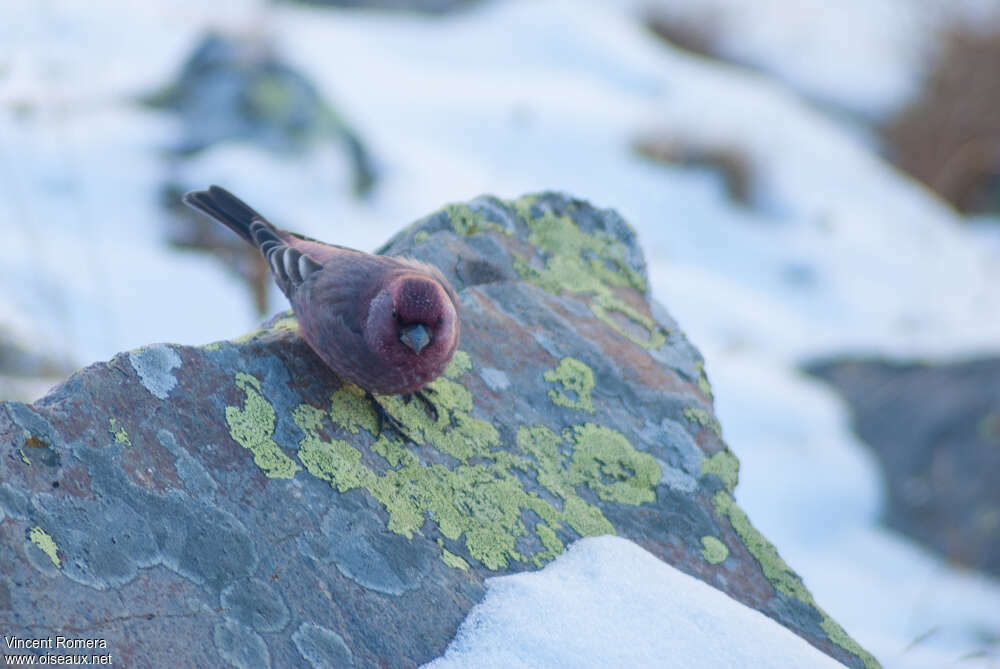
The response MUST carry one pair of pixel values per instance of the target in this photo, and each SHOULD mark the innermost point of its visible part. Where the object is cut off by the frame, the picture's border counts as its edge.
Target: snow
(609, 603)
(837, 252)
(865, 57)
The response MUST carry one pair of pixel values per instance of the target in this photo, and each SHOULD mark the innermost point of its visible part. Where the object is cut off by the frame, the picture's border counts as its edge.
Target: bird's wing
(290, 266)
(289, 263)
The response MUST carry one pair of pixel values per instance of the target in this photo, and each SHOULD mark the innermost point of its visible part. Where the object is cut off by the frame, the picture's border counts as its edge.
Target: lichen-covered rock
(935, 430)
(237, 497)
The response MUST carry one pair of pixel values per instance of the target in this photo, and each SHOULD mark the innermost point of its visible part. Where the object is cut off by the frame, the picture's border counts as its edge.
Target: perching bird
(386, 323)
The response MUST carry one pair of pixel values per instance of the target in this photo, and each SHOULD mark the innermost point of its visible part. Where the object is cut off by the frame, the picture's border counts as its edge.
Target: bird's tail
(226, 208)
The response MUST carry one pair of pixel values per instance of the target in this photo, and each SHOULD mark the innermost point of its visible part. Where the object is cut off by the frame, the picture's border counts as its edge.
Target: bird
(388, 324)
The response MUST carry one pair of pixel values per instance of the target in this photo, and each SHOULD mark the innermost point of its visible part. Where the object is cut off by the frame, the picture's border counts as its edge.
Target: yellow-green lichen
(421, 236)
(455, 432)
(24, 458)
(839, 636)
(288, 323)
(117, 431)
(630, 322)
(351, 410)
(467, 222)
(775, 569)
(41, 538)
(599, 255)
(460, 364)
(592, 264)
(725, 465)
(781, 576)
(713, 550)
(253, 428)
(605, 460)
(703, 385)
(701, 417)
(549, 539)
(452, 560)
(576, 378)
(334, 461)
(473, 490)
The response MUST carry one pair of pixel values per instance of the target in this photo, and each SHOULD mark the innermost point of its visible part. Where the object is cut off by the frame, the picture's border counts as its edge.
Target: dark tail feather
(226, 208)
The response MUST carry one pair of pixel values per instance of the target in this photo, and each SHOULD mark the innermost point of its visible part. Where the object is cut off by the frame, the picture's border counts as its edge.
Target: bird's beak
(415, 336)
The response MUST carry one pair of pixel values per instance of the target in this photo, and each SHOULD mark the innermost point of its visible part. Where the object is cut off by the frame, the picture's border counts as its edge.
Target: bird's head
(413, 318)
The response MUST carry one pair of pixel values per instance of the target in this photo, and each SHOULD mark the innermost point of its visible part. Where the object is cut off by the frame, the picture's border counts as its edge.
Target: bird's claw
(432, 411)
(421, 395)
(386, 418)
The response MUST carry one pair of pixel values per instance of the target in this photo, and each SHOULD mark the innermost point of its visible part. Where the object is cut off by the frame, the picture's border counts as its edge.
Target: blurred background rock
(936, 432)
(236, 88)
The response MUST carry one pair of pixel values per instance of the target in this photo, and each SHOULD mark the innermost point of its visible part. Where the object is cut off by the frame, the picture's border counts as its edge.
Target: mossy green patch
(701, 417)
(41, 538)
(781, 576)
(713, 550)
(576, 378)
(466, 222)
(595, 264)
(117, 431)
(421, 236)
(253, 428)
(725, 465)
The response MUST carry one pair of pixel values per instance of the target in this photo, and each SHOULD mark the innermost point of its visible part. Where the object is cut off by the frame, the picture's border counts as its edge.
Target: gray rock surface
(935, 430)
(233, 504)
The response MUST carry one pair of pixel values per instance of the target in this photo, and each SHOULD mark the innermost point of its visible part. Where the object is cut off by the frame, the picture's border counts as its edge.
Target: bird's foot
(385, 418)
(429, 406)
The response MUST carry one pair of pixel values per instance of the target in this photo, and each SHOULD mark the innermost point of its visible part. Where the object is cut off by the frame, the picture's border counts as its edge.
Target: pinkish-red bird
(386, 323)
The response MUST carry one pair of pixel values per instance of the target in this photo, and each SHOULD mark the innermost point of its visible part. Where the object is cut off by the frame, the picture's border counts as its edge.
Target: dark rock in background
(232, 502)
(236, 88)
(936, 432)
